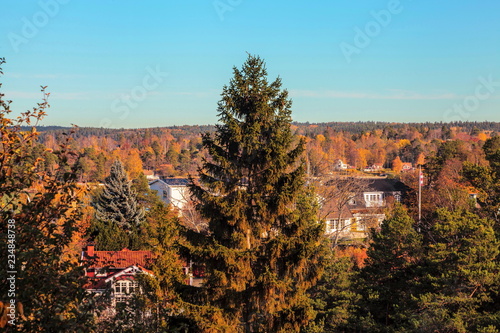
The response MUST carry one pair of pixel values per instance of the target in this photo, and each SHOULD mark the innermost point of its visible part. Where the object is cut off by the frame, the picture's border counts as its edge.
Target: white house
(340, 165)
(364, 210)
(380, 189)
(173, 191)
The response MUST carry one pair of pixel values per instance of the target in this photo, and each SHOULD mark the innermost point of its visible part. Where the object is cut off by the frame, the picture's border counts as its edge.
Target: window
(124, 289)
(120, 287)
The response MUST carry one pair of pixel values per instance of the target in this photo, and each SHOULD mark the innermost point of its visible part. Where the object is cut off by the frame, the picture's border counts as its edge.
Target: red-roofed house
(407, 167)
(116, 271)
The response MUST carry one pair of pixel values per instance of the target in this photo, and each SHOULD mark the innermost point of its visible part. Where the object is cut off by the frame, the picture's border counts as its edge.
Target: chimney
(90, 250)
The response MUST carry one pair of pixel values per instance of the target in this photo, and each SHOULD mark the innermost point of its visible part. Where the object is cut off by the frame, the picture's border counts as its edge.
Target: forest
(177, 151)
(255, 178)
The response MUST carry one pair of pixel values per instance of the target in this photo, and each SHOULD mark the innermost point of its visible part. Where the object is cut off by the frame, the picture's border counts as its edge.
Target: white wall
(159, 187)
(178, 196)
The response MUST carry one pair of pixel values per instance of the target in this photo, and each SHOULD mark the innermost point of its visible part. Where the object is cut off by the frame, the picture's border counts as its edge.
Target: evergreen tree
(117, 211)
(264, 246)
(487, 180)
(445, 280)
(492, 151)
(388, 279)
(459, 280)
(335, 296)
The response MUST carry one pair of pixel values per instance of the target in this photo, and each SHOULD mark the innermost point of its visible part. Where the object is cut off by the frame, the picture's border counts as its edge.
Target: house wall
(177, 196)
(159, 188)
(332, 225)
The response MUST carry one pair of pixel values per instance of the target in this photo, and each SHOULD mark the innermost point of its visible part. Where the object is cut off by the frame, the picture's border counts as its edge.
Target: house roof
(176, 181)
(120, 259)
(333, 212)
(100, 283)
(159, 181)
(164, 182)
(131, 270)
(385, 185)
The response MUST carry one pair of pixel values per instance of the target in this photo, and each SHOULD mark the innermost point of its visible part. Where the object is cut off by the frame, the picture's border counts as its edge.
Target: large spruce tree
(117, 211)
(264, 246)
(118, 202)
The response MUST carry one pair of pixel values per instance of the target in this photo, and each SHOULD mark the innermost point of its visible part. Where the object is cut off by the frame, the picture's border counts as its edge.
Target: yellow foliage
(482, 136)
(421, 159)
(403, 143)
(133, 163)
(320, 138)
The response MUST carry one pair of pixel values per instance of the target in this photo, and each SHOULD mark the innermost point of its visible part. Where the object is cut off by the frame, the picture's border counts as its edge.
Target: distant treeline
(360, 127)
(308, 129)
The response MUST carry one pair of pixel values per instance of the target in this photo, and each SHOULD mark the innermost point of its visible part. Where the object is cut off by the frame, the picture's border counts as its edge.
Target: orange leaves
(482, 136)
(16, 312)
(421, 159)
(397, 164)
(357, 255)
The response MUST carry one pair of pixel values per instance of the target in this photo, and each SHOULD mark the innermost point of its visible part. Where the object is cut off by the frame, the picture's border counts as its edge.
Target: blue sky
(135, 64)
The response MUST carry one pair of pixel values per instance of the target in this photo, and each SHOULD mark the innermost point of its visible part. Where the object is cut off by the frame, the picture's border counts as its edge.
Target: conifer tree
(387, 282)
(117, 211)
(264, 245)
(118, 202)
(444, 280)
(335, 297)
(459, 284)
(486, 179)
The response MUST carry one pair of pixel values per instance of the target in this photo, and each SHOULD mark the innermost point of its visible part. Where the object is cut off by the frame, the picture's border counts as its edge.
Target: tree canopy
(264, 245)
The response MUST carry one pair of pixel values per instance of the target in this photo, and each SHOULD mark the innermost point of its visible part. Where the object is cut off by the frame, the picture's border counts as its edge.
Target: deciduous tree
(40, 213)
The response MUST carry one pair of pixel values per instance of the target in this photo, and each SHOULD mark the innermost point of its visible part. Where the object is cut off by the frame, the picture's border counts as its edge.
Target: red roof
(119, 259)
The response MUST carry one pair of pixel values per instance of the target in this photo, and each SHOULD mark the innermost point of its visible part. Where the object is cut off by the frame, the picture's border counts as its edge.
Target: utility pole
(420, 183)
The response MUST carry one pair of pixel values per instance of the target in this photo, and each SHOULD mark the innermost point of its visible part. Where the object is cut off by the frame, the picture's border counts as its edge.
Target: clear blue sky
(418, 61)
